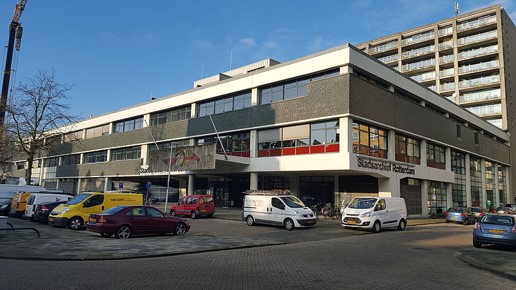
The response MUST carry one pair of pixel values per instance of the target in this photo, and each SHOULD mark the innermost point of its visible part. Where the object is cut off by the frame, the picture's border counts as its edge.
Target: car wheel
(105, 235)
(75, 223)
(172, 213)
(466, 222)
(477, 244)
(402, 225)
(180, 229)
(376, 227)
(123, 232)
(193, 215)
(250, 220)
(289, 224)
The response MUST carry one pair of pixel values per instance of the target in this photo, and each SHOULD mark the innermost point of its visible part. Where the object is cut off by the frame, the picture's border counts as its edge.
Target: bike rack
(17, 229)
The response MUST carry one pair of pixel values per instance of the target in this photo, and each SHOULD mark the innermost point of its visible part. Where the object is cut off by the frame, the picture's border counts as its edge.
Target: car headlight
(366, 214)
(297, 212)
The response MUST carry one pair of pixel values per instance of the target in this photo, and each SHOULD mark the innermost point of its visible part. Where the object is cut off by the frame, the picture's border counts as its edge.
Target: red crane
(15, 33)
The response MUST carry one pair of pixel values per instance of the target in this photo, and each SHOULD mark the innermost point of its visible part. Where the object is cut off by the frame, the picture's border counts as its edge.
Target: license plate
(93, 220)
(310, 222)
(496, 232)
(203, 210)
(453, 218)
(50, 219)
(352, 222)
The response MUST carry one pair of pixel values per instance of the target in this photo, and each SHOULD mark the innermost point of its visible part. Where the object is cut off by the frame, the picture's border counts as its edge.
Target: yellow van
(76, 211)
(19, 203)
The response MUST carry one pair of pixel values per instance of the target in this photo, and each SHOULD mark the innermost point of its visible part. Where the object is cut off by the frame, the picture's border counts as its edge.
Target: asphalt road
(325, 257)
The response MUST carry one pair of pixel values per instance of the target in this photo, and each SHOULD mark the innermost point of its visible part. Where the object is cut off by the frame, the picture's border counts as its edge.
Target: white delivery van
(375, 213)
(40, 197)
(277, 208)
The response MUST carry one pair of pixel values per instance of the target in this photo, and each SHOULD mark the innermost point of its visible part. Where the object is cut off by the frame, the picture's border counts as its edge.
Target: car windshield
(498, 220)
(292, 201)
(78, 199)
(114, 210)
(363, 203)
(476, 209)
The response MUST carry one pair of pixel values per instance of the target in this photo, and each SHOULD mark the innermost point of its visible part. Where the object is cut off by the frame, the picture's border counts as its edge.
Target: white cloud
(203, 44)
(247, 42)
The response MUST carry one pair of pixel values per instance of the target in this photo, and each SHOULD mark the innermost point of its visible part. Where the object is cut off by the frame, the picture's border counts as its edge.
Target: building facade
(468, 59)
(328, 126)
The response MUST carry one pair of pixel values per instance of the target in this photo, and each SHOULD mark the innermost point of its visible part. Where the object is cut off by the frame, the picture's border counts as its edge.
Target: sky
(119, 53)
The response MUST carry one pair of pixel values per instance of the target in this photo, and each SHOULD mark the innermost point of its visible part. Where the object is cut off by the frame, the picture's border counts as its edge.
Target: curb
(483, 266)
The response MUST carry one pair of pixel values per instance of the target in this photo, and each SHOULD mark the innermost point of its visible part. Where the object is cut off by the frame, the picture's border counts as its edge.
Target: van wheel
(402, 225)
(172, 213)
(193, 215)
(289, 224)
(75, 223)
(180, 229)
(376, 227)
(250, 220)
(123, 232)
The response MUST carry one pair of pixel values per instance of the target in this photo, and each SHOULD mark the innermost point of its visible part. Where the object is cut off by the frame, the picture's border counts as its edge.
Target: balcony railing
(447, 72)
(445, 45)
(418, 38)
(479, 81)
(417, 52)
(477, 38)
(446, 59)
(477, 23)
(447, 87)
(419, 64)
(479, 66)
(383, 47)
(489, 110)
(445, 31)
(480, 96)
(389, 58)
(478, 52)
(424, 77)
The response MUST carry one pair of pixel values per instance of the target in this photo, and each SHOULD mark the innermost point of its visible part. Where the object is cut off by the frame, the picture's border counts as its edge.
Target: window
(174, 115)
(95, 157)
(437, 202)
(71, 159)
(94, 200)
(237, 144)
(97, 131)
(490, 183)
(407, 149)
(476, 181)
(369, 140)
(277, 203)
(435, 156)
(128, 125)
(458, 164)
(225, 104)
(51, 162)
(126, 153)
(72, 136)
(291, 89)
(20, 165)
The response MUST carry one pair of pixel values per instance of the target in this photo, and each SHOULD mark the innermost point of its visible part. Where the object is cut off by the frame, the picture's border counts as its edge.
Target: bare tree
(38, 112)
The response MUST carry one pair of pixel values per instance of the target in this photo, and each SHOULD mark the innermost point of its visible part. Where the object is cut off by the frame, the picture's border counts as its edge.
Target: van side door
(277, 212)
(94, 204)
(380, 210)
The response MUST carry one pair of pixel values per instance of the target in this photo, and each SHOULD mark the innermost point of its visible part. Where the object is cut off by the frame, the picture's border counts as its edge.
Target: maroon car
(125, 221)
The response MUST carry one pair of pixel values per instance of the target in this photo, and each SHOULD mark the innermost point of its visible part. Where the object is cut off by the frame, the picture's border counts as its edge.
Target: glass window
(128, 125)
(94, 157)
(126, 153)
(369, 140)
(407, 149)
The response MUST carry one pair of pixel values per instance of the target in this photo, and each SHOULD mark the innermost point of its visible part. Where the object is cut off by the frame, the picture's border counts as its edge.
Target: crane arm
(18, 10)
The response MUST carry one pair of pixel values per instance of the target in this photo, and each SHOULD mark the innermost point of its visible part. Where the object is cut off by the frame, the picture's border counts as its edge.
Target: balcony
(447, 87)
(479, 67)
(482, 81)
(418, 51)
(447, 73)
(445, 45)
(478, 52)
(445, 31)
(480, 96)
(418, 65)
(484, 21)
(383, 47)
(446, 59)
(477, 38)
(389, 58)
(428, 76)
(417, 38)
(487, 110)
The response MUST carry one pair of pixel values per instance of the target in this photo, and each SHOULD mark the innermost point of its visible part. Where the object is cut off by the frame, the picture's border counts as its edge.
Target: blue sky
(119, 53)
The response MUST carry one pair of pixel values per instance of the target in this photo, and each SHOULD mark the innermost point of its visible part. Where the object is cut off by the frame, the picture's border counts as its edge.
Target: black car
(44, 209)
(5, 206)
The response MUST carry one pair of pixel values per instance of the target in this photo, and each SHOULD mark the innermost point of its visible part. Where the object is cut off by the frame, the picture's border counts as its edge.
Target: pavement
(216, 234)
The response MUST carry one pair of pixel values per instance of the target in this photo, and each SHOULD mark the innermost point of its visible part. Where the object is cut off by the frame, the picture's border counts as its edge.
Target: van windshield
(362, 203)
(78, 199)
(292, 201)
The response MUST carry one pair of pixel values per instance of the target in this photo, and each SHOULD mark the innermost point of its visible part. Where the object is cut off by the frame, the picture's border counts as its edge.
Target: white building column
(107, 184)
(253, 181)
(422, 147)
(424, 198)
(388, 187)
(507, 184)
(191, 180)
(255, 97)
(449, 196)
(496, 189)
(144, 152)
(468, 180)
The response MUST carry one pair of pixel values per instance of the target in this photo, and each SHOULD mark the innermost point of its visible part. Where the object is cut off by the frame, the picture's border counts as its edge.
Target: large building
(468, 59)
(328, 126)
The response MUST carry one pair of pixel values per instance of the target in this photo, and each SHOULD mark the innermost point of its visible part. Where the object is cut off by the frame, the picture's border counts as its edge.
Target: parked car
(495, 229)
(43, 210)
(194, 205)
(512, 206)
(478, 212)
(504, 210)
(5, 205)
(125, 221)
(459, 215)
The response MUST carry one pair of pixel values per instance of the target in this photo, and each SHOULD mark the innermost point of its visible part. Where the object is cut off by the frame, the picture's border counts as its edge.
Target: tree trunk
(28, 172)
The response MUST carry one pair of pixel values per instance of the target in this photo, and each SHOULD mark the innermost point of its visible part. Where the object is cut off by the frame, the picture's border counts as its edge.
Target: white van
(7, 192)
(41, 197)
(375, 213)
(277, 208)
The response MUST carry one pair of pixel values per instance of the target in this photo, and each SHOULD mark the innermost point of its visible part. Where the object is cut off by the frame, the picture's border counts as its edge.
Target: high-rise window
(128, 125)
(369, 140)
(407, 149)
(458, 164)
